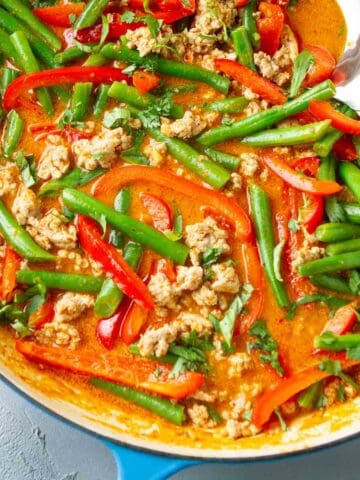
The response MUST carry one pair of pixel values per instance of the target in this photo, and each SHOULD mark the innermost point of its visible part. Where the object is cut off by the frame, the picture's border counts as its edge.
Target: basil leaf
(277, 260)
(302, 64)
(76, 178)
(26, 165)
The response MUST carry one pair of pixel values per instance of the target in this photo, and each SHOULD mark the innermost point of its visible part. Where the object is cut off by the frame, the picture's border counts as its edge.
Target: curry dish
(180, 206)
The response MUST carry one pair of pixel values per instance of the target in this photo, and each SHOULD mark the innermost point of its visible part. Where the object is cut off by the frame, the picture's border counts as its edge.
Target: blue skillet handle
(136, 465)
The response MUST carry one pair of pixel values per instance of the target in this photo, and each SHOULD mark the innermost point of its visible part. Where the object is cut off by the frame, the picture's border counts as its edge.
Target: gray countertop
(36, 446)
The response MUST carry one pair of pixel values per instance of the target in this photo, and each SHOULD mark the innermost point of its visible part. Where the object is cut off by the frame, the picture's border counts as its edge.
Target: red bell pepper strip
(242, 3)
(44, 314)
(307, 165)
(120, 176)
(133, 372)
(69, 133)
(258, 84)
(59, 76)
(345, 149)
(323, 66)
(174, 16)
(325, 111)
(58, 15)
(270, 25)
(167, 268)
(93, 34)
(298, 181)
(145, 81)
(114, 264)
(159, 210)
(107, 329)
(134, 322)
(343, 320)
(11, 266)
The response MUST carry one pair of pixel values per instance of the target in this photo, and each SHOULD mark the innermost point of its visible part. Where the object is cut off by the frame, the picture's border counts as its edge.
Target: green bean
(168, 358)
(298, 135)
(327, 168)
(262, 120)
(226, 160)
(19, 239)
(125, 93)
(174, 412)
(101, 100)
(343, 247)
(69, 55)
(227, 105)
(82, 203)
(350, 174)
(261, 214)
(8, 75)
(91, 14)
(331, 282)
(11, 24)
(336, 343)
(21, 11)
(343, 261)
(352, 212)
(7, 48)
(324, 146)
(309, 397)
(62, 281)
(121, 205)
(167, 67)
(13, 132)
(80, 101)
(212, 173)
(243, 47)
(29, 64)
(337, 232)
(250, 23)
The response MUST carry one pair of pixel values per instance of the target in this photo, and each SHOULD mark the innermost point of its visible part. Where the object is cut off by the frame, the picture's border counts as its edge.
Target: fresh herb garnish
(265, 343)
(176, 233)
(210, 256)
(334, 368)
(26, 165)
(150, 117)
(117, 117)
(282, 422)
(302, 64)
(128, 16)
(76, 178)
(329, 300)
(293, 225)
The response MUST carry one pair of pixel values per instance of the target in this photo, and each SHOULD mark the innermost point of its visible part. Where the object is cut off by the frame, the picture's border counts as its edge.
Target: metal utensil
(347, 73)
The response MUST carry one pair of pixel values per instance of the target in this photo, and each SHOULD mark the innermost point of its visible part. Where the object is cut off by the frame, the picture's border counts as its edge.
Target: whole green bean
(62, 281)
(11, 24)
(343, 261)
(7, 76)
(91, 14)
(125, 93)
(298, 135)
(101, 100)
(80, 101)
(226, 160)
(69, 55)
(337, 232)
(350, 174)
(19, 238)
(227, 105)
(121, 205)
(212, 173)
(29, 64)
(352, 212)
(167, 67)
(267, 118)
(249, 23)
(243, 47)
(21, 11)
(331, 282)
(327, 168)
(261, 213)
(343, 247)
(174, 412)
(13, 132)
(82, 203)
(336, 343)
(7, 48)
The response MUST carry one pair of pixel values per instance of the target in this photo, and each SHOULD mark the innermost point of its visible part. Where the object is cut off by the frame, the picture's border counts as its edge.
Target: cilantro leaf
(265, 343)
(26, 165)
(128, 16)
(210, 256)
(117, 117)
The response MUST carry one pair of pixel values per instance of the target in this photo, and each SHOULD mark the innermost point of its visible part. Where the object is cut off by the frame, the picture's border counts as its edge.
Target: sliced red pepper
(258, 84)
(59, 15)
(69, 133)
(270, 25)
(120, 176)
(93, 34)
(133, 324)
(312, 214)
(167, 268)
(131, 371)
(223, 220)
(345, 149)
(172, 17)
(107, 329)
(159, 210)
(12, 263)
(114, 264)
(44, 314)
(323, 66)
(59, 76)
(298, 181)
(325, 111)
(145, 81)
(241, 3)
(308, 165)
(343, 320)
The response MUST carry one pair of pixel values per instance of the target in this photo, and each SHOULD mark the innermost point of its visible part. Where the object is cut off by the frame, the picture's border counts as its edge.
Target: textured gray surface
(35, 446)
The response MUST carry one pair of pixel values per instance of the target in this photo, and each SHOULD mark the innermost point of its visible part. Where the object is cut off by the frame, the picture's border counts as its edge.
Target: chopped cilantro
(265, 343)
(210, 256)
(333, 367)
(282, 422)
(26, 165)
(117, 117)
(128, 16)
(75, 178)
